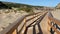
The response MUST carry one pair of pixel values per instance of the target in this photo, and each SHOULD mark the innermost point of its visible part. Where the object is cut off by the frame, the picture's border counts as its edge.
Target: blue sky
(50, 3)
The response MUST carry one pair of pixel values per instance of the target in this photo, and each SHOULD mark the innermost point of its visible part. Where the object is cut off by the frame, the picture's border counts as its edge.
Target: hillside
(18, 5)
(58, 6)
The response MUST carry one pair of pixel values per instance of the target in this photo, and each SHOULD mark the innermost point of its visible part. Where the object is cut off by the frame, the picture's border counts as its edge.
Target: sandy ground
(56, 14)
(8, 18)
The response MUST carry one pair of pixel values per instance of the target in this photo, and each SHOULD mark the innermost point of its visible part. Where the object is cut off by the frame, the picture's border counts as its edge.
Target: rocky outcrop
(58, 6)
